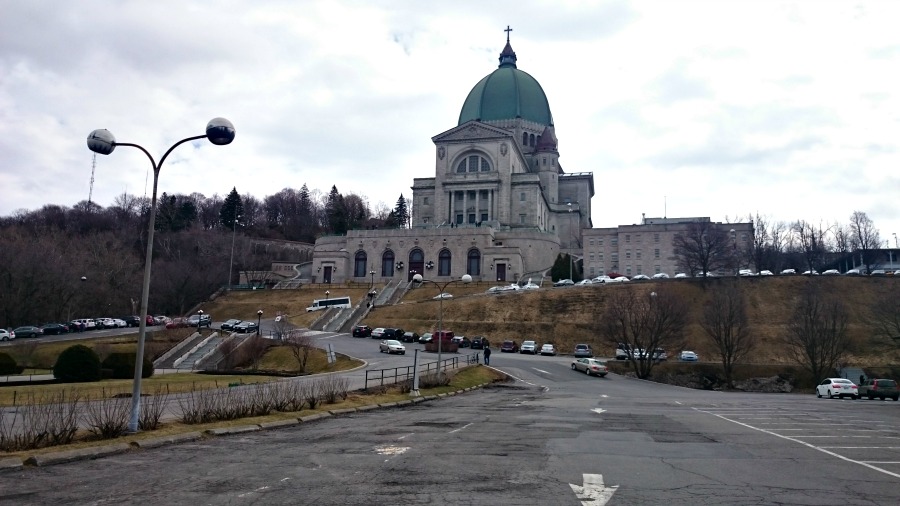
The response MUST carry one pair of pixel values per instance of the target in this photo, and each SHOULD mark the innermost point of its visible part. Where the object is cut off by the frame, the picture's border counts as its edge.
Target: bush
(121, 365)
(7, 365)
(77, 364)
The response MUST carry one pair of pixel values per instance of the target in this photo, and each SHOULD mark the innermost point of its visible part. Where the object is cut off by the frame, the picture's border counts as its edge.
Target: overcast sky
(719, 109)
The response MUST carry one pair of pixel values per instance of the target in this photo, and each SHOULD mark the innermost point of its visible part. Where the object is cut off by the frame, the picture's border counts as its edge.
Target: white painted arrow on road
(599, 411)
(593, 492)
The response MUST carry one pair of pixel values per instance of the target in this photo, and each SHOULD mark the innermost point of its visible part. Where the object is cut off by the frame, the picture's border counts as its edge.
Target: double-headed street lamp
(199, 319)
(258, 320)
(441, 287)
(219, 131)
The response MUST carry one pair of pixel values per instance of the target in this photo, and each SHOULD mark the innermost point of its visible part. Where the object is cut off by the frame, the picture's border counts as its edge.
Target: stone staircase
(192, 358)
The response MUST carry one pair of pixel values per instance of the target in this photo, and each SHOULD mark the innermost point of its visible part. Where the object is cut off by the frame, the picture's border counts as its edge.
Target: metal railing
(394, 375)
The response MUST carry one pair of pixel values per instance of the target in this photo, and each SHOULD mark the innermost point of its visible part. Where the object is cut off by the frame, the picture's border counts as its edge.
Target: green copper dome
(507, 93)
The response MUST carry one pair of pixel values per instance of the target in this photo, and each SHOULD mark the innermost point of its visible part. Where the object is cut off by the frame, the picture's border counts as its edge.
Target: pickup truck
(881, 388)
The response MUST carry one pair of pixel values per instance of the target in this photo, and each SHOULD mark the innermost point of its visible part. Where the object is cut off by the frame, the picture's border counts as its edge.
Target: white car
(530, 286)
(620, 279)
(377, 332)
(788, 272)
(765, 273)
(688, 356)
(832, 272)
(504, 288)
(7, 335)
(811, 272)
(660, 275)
(746, 272)
(640, 277)
(444, 295)
(837, 387)
(548, 349)
(392, 346)
(584, 282)
(853, 272)
(878, 272)
(118, 322)
(681, 275)
(529, 347)
(601, 279)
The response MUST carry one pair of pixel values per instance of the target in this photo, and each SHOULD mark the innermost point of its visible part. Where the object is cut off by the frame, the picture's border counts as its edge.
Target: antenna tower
(93, 166)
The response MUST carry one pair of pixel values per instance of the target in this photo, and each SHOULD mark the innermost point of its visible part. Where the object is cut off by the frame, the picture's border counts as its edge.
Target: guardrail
(381, 377)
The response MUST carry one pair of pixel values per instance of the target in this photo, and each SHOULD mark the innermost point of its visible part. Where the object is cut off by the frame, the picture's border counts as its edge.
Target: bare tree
(760, 242)
(812, 243)
(843, 243)
(255, 348)
(780, 235)
(886, 313)
(725, 322)
(817, 334)
(644, 321)
(866, 238)
(301, 346)
(704, 247)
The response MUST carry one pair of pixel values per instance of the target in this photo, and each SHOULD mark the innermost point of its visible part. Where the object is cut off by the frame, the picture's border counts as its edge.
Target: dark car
(871, 388)
(410, 337)
(76, 326)
(479, 343)
(229, 324)
(131, 321)
(28, 331)
(245, 327)
(199, 320)
(177, 323)
(391, 333)
(426, 338)
(362, 331)
(54, 329)
(509, 346)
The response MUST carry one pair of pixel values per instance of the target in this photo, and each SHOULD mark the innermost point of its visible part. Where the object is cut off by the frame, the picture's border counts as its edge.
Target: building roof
(507, 93)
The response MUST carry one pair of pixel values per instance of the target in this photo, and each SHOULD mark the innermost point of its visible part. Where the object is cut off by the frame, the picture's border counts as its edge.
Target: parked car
(853, 272)
(879, 388)
(837, 387)
(585, 281)
(833, 272)
(529, 347)
(76, 326)
(392, 333)
(465, 342)
(619, 279)
(530, 286)
(623, 351)
(590, 366)
(660, 275)
(746, 272)
(54, 329)
(117, 323)
(688, 356)
(6, 335)
(878, 272)
(425, 338)
(765, 273)
(229, 324)
(480, 343)
(391, 346)
(811, 272)
(443, 295)
(600, 279)
(504, 288)
(681, 275)
(151, 321)
(583, 351)
(177, 323)
(548, 349)
(564, 282)
(27, 331)
(788, 272)
(245, 327)
(410, 337)
(132, 321)
(509, 346)
(88, 323)
(199, 320)
(377, 332)
(640, 277)
(361, 331)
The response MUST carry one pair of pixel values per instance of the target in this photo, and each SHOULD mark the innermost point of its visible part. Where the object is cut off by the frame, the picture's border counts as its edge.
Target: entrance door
(326, 276)
(416, 264)
(501, 272)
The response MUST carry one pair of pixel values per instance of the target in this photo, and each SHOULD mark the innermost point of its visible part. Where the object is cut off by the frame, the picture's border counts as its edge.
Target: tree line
(58, 263)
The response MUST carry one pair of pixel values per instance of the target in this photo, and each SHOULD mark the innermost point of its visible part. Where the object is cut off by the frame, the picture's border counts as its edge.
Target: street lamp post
(233, 232)
(441, 287)
(258, 320)
(199, 320)
(220, 132)
(734, 251)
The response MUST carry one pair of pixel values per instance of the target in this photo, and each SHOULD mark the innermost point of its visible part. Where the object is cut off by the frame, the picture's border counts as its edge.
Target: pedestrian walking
(487, 355)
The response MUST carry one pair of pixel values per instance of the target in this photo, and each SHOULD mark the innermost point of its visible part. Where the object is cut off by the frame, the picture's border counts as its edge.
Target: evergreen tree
(401, 213)
(336, 212)
(232, 209)
(306, 215)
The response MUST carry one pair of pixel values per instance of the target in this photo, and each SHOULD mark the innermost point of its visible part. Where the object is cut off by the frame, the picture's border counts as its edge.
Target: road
(552, 437)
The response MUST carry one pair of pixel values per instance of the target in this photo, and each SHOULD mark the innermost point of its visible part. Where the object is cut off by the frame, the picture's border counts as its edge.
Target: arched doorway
(416, 264)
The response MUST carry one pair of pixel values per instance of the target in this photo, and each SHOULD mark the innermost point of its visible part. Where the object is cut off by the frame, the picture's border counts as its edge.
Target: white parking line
(804, 443)
(461, 428)
(540, 370)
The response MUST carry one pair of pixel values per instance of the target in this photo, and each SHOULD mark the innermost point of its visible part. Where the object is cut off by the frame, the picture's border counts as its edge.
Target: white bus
(320, 304)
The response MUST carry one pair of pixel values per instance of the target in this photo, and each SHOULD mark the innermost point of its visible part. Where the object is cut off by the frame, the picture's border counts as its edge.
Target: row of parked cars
(872, 388)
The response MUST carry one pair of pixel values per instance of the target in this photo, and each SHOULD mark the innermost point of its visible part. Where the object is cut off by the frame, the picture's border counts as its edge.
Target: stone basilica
(499, 205)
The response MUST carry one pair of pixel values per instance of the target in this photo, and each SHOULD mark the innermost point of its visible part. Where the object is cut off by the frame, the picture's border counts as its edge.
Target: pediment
(471, 131)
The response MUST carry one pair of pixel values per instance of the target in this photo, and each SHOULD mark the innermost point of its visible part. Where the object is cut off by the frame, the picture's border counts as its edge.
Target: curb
(11, 463)
(310, 418)
(225, 431)
(49, 459)
(166, 440)
(279, 423)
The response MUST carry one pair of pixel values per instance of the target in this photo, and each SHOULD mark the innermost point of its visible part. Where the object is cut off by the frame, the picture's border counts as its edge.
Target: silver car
(590, 366)
(392, 346)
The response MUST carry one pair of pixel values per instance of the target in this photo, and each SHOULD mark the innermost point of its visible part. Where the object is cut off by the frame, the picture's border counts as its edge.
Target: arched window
(474, 163)
(524, 138)
(387, 264)
(359, 265)
(444, 262)
(531, 140)
(473, 263)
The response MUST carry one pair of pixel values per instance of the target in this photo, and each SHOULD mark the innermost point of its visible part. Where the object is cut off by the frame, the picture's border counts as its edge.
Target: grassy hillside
(566, 316)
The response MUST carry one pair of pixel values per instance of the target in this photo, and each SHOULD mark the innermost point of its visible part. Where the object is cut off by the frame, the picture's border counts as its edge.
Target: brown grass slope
(570, 315)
